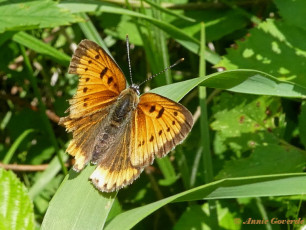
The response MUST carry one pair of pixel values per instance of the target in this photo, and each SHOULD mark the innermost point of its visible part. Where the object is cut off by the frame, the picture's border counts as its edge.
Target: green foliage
(22, 15)
(16, 209)
(245, 157)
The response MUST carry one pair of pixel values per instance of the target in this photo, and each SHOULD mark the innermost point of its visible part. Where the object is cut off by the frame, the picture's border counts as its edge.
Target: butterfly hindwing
(159, 125)
(115, 169)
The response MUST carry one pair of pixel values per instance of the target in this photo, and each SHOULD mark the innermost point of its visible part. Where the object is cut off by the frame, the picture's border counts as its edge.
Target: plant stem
(263, 212)
(205, 140)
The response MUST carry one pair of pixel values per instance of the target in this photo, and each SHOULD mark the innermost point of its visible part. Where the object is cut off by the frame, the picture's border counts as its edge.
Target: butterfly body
(114, 125)
(115, 128)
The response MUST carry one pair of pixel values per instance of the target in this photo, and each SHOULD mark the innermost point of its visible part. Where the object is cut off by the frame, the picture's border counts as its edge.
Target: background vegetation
(245, 156)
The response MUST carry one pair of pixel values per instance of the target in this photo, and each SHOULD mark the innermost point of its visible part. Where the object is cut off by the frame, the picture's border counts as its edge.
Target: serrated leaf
(243, 123)
(273, 47)
(266, 160)
(16, 209)
(21, 15)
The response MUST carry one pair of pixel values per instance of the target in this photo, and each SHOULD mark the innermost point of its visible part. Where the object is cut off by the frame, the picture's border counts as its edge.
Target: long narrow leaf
(259, 186)
(38, 46)
(78, 204)
(240, 81)
(180, 36)
(15, 145)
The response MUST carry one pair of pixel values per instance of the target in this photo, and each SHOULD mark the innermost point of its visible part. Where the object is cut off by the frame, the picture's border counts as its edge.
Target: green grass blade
(257, 186)
(205, 138)
(15, 145)
(170, 12)
(180, 36)
(40, 47)
(240, 81)
(91, 32)
(77, 204)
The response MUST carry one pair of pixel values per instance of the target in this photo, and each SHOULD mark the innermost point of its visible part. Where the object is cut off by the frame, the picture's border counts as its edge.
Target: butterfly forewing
(159, 125)
(101, 81)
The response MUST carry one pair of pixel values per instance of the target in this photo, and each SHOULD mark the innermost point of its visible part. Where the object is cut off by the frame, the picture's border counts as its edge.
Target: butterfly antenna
(169, 67)
(128, 54)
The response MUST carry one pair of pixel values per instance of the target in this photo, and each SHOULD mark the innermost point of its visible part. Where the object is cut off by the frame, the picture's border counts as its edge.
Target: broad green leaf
(77, 204)
(266, 160)
(41, 202)
(258, 186)
(40, 47)
(16, 209)
(242, 123)
(240, 81)
(274, 47)
(292, 11)
(22, 15)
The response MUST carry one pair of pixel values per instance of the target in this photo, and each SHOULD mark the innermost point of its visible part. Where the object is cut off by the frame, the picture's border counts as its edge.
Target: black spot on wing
(103, 72)
(110, 80)
(152, 109)
(160, 113)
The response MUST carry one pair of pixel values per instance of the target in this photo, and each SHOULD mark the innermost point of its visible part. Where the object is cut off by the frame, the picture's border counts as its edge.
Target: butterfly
(114, 127)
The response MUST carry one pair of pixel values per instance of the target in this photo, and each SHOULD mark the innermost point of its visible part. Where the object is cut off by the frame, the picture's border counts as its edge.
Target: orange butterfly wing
(101, 81)
(159, 125)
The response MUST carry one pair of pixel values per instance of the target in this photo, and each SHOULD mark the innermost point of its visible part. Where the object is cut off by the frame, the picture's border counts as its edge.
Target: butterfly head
(135, 87)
